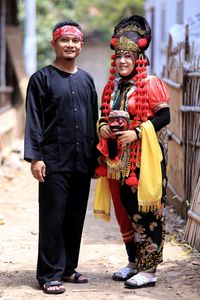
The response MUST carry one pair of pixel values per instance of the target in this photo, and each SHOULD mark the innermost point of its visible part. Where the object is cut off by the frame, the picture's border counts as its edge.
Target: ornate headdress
(131, 34)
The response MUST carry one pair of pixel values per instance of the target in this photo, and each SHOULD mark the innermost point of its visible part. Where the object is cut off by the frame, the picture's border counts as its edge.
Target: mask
(118, 120)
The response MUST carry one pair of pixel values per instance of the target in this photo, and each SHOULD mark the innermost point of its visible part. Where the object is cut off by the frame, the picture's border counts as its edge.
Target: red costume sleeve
(158, 94)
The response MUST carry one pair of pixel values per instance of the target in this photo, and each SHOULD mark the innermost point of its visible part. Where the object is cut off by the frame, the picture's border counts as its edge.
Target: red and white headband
(67, 29)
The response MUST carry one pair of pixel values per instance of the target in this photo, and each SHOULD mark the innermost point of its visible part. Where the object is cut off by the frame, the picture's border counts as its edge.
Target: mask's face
(118, 123)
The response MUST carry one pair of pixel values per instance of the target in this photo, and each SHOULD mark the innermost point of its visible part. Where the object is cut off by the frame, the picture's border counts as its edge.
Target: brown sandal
(75, 278)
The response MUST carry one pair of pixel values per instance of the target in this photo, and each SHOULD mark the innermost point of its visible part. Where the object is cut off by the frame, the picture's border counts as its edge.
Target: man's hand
(38, 170)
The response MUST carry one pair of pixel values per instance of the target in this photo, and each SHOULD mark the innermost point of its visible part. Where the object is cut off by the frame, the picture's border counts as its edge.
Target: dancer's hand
(106, 133)
(126, 137)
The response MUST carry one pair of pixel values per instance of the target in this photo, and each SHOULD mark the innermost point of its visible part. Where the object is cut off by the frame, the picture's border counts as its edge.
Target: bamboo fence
(191, 121)
(182, 75)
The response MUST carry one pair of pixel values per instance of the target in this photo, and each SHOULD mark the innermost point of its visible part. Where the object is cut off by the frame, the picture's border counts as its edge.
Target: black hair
(67, 22)
(136, 20)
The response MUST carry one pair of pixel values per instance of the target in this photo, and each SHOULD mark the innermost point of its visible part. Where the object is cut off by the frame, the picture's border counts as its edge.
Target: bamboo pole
(187, 108)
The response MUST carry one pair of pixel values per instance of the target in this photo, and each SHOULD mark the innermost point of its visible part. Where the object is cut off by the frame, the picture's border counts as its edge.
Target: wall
(190, 8)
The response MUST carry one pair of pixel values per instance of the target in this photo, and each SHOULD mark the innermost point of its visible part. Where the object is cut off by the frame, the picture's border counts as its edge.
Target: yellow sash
(150, 181)
(101, 205)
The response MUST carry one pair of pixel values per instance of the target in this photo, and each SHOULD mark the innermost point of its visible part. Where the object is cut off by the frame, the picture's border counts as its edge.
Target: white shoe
(124, 273)
(141, 280)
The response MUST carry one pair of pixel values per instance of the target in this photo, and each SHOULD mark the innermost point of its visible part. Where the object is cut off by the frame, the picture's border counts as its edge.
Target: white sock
(147, 275)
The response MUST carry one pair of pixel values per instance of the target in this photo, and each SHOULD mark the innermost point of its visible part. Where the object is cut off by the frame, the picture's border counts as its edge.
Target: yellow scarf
(101, 205)
(150, 181)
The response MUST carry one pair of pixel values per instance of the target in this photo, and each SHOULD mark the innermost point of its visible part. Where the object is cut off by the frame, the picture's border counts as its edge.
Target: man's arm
(34, 129)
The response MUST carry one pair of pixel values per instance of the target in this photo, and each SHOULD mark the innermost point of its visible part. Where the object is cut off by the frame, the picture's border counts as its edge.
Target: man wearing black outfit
(60, 143)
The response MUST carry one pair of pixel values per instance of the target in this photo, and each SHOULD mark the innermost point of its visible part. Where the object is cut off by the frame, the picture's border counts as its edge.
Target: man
(60, 142)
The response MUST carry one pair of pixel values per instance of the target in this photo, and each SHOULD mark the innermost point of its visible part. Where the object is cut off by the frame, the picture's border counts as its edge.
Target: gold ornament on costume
(125, 43)
(131, 28)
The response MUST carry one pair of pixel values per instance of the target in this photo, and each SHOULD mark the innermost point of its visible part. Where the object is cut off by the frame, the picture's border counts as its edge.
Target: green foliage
(103, 15)
(97, 16)
(48, 14)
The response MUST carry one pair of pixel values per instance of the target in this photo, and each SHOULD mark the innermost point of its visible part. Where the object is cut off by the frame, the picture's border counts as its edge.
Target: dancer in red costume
(134, 159)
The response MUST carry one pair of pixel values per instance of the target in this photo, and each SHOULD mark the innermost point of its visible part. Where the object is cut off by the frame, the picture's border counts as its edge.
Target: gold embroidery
(126, 44)
(131, 28)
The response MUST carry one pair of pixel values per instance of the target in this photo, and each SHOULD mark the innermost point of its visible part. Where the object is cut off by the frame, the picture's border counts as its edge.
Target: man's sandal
(57, 287)
(124, 273)
(75, 278)
(140, 281)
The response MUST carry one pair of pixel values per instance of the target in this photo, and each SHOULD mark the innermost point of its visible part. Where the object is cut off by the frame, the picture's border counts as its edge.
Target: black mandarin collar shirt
(61, 120)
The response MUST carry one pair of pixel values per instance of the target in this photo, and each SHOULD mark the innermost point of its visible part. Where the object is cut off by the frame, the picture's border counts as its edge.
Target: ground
(102, 252)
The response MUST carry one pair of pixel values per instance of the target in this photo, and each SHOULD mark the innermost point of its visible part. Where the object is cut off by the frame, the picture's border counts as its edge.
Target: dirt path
(102, 253)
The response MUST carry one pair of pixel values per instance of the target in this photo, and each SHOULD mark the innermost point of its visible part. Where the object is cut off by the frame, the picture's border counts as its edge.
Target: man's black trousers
(63, 201)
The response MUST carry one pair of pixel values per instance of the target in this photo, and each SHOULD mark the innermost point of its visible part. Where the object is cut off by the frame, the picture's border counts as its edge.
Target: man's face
(67, 47)
(118, 123)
